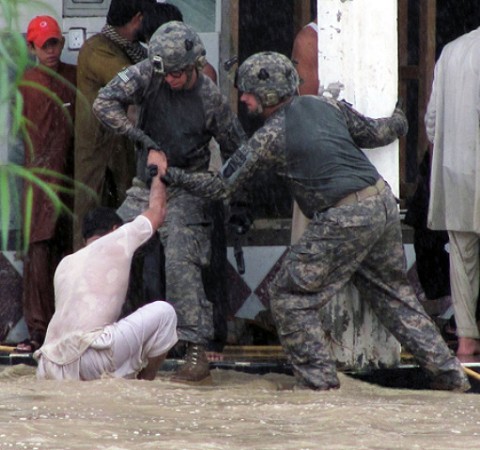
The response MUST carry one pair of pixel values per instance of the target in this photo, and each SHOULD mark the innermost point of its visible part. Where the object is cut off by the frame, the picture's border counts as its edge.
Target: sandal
(27, 346)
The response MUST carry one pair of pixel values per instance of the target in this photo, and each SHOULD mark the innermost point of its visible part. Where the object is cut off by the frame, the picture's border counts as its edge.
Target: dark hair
(122, 11)
(156, 15)
(100, 221)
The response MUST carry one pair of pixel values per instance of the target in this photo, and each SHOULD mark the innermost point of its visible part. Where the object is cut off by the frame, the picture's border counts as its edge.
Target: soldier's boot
(196, 369)
(452, 380)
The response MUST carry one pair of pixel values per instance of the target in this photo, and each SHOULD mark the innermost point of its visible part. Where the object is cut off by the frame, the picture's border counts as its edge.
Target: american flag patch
(125, 75)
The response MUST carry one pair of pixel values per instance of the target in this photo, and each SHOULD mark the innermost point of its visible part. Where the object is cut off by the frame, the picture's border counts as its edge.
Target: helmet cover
(270, 76)
(175, 46)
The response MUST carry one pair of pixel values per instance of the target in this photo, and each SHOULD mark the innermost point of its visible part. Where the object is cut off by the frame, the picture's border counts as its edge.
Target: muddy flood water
(240, 411)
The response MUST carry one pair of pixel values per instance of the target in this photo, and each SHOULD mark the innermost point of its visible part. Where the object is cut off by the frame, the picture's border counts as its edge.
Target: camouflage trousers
(362, 242)
(186, 238)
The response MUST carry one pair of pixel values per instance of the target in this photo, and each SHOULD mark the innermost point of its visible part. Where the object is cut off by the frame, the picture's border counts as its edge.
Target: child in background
(49, 146)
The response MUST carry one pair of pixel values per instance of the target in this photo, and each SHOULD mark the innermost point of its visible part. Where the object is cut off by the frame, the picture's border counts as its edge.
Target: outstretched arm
(259, 153)
(202, 184)
(371, 133)
(158, 192)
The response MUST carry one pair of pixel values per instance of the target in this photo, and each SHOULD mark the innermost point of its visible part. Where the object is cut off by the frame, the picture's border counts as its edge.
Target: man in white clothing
(452, 123)
(84, 341)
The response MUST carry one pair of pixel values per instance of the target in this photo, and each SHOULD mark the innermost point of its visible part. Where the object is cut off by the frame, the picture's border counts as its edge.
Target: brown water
(241, 411)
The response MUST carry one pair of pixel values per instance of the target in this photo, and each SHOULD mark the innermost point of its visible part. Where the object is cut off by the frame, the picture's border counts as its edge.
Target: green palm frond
(57, 185)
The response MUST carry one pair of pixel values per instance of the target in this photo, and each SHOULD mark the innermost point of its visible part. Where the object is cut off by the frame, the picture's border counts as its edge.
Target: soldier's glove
(240, 219)
(401, 122)
(173, 176)
(399, 104)
(150, 173)
(146, 142)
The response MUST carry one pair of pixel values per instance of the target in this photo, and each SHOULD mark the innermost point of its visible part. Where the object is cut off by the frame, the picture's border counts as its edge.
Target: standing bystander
(452, 123)
(103, 161)
(48, 91)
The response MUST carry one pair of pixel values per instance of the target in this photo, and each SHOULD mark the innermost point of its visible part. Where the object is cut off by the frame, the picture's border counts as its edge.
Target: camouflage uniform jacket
(212, 117)
(334, 165)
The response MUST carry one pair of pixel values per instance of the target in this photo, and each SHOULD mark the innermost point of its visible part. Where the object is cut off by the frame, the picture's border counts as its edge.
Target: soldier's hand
(159, 159)
(240, 219)
(399, 104)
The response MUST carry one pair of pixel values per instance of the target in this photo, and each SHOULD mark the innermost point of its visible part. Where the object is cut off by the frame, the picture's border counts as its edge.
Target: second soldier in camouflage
(314, 145)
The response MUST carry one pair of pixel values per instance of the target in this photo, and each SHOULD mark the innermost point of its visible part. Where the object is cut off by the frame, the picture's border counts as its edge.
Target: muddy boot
(196, 369)
(453, 380)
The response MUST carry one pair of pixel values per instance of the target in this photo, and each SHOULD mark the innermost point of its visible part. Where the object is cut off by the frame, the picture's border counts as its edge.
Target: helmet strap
(259, 110)
(189, 71)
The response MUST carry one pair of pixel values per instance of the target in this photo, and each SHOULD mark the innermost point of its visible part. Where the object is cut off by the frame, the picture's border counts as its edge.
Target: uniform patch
(125, 75)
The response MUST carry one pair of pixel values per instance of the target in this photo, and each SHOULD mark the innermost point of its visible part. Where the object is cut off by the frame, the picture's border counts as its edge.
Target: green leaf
(4, 205)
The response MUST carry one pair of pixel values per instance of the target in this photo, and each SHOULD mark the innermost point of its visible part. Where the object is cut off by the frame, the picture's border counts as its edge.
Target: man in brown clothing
(105, 162)
(48, 145)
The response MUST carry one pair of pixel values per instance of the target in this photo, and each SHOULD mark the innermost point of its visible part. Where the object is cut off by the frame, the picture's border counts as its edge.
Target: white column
(357, 52)
(357, 48)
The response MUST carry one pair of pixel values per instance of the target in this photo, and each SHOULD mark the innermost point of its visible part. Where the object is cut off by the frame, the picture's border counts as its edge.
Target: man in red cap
(45, 40)
(48, 145)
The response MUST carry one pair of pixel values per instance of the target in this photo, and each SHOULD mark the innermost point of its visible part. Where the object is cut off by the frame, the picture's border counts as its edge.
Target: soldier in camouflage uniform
(314, 144)
(181, 110)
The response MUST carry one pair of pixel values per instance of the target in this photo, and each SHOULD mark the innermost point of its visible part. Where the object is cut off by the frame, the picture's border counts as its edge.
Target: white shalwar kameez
(83, 339)
(452, 124)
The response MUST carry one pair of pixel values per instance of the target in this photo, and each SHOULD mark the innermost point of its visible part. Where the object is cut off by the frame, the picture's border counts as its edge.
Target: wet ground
(240, 411)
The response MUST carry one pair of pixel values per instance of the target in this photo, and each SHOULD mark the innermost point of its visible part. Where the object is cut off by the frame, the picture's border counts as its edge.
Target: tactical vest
(175, 120)
(322, 158)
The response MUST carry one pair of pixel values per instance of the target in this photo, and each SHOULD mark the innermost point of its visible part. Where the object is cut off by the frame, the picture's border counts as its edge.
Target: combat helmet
(175, 46)
(270, 76)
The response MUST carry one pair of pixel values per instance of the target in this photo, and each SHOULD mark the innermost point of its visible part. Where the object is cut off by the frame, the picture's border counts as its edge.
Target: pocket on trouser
(202, 243)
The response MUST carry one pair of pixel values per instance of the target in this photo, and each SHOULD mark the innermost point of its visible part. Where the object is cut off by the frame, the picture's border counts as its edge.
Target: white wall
(357, 47)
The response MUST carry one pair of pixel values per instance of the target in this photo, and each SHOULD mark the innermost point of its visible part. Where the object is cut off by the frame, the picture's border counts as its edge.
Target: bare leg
(150, 371)
(468, 346)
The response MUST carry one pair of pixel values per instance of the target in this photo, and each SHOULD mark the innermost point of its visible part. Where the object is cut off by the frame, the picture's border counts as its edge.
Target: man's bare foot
(468, 346)
(214, 356)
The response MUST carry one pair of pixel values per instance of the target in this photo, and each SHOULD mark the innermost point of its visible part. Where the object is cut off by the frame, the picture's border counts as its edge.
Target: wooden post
(421, 72)
(426, 65)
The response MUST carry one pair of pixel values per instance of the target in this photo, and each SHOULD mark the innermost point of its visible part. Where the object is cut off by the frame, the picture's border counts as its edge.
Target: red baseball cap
(43, 28)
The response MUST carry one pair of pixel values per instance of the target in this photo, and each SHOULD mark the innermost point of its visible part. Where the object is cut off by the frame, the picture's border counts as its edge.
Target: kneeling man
(84, 340)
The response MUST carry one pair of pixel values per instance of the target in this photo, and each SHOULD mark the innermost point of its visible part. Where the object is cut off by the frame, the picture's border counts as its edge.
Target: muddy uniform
(354, 233)
(181, 123)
